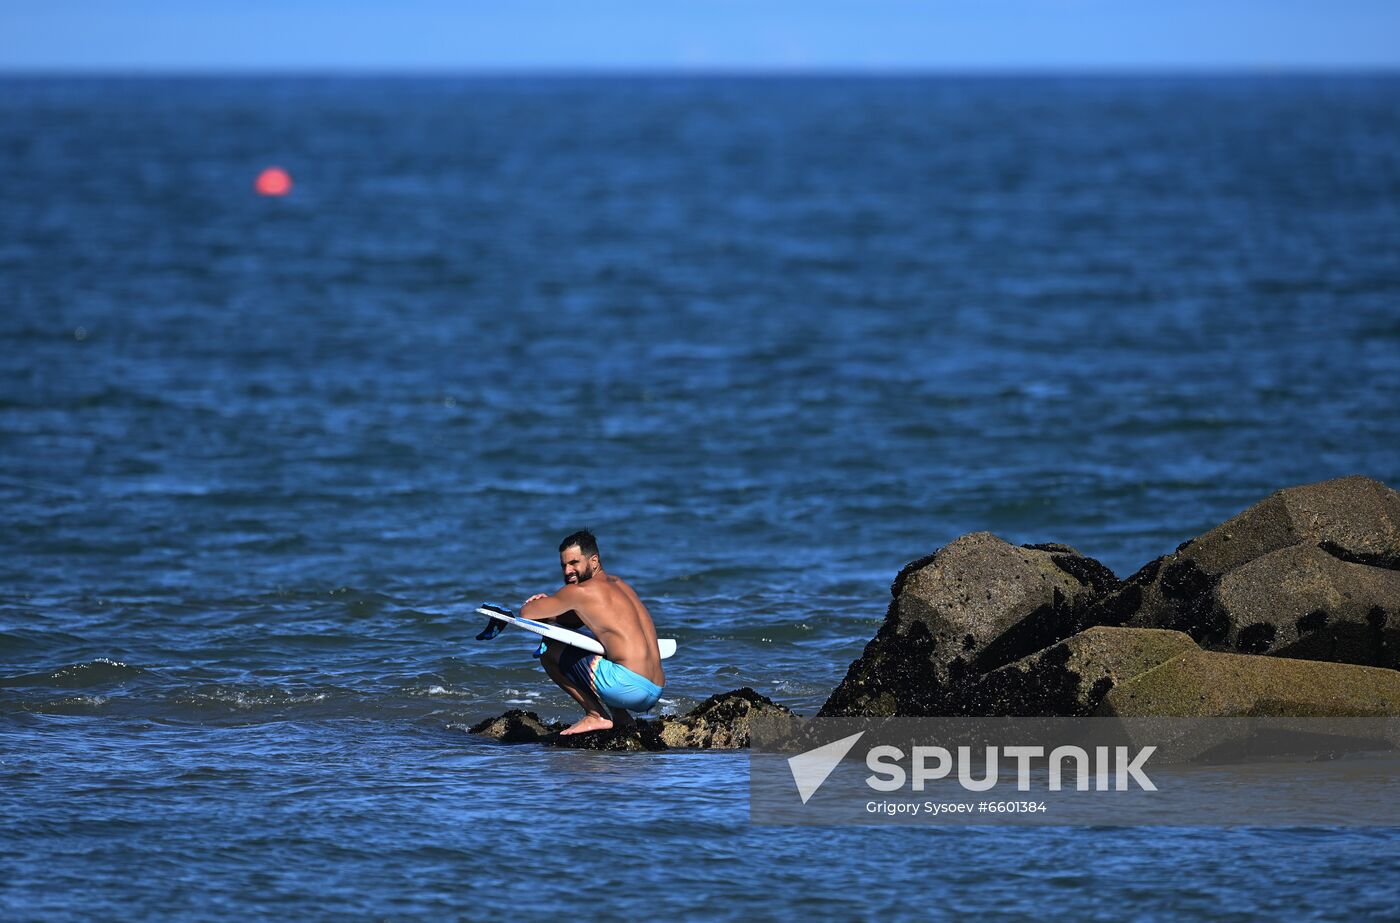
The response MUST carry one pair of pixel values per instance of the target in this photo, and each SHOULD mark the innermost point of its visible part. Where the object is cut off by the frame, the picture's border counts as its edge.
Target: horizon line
(766, 71)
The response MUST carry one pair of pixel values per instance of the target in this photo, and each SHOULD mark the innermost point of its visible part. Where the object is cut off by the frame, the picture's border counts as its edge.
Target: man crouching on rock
(628, 677)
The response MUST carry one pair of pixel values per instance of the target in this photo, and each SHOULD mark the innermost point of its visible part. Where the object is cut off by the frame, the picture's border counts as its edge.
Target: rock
(974, 605)
(1355, 518)
(721, 722)
(1071, 678)
(516, 726)
(1302, 602)
(644, 736)
(521, 727)
(1206, 684)
(1311, 572)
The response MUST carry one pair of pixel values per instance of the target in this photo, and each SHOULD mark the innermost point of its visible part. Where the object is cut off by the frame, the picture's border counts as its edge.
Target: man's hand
(533, 598)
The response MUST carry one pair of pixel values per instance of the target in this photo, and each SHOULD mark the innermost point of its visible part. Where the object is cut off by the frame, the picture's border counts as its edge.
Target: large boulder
(721, 722)
(1072, 677)
(1354, 518)
(972, 606)
(1311, 572)
(1207, 684)
(1303, 602)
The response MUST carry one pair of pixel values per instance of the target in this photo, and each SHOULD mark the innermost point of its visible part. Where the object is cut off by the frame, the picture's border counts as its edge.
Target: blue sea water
(769, 338)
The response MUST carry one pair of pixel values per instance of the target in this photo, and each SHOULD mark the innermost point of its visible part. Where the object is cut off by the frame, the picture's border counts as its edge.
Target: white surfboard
(667, 646)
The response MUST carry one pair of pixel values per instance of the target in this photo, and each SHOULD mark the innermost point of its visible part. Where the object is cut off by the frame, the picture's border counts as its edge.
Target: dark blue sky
(862, 35)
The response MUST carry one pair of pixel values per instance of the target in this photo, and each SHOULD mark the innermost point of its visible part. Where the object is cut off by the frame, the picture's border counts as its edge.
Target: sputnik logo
(810, 769)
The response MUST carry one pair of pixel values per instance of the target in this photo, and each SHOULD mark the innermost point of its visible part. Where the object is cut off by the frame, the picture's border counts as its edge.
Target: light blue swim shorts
(616, 685)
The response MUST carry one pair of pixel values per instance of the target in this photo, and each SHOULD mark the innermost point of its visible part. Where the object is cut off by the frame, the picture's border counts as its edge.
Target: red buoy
(273, 181)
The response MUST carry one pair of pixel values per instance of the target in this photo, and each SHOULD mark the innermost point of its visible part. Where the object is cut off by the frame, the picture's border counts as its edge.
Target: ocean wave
(68, 705)
(536, 487)
(250, 698)
(31, 638)
(770, 633)
(102, 671)
(507, 696)
(436, 690)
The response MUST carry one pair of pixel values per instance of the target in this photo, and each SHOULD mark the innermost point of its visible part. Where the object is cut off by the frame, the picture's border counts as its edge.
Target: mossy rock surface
(1207, 684)
(1071, 678)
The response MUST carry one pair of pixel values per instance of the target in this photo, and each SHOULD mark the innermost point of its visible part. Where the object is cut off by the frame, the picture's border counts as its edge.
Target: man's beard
(583, 575)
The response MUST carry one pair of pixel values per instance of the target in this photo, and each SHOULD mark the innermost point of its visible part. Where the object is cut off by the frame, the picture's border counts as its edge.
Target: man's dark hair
(584, 540)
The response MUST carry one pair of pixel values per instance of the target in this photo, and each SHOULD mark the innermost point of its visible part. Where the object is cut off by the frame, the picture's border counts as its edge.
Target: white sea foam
(243, 699)
(92, 700)
(436, 690)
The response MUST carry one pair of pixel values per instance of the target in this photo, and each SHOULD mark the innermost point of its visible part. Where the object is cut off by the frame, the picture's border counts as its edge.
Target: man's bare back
(623, 625)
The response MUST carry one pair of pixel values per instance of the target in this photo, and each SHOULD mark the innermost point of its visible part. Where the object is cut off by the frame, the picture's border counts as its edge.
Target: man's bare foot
(587, 723)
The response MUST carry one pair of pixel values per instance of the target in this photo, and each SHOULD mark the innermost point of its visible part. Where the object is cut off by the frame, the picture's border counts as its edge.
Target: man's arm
(542, 607)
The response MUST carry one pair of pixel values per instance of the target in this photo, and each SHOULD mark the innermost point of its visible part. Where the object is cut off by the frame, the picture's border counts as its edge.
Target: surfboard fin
(493, 626)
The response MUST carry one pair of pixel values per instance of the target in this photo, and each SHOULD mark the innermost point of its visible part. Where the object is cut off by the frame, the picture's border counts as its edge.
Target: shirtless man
(628, 677)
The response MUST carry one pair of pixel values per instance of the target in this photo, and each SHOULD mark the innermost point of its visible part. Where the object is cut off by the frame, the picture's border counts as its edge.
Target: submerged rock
(974, 605)
(1207, 684)
(1311, 572)
(721, 722)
